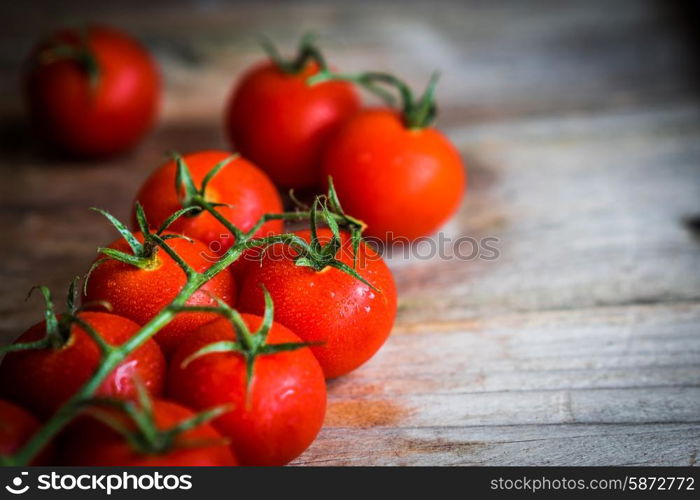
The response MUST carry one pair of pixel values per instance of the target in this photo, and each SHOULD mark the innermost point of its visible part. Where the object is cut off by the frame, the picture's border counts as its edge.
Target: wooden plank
(577, 445)
(583, 387)
(614, 406)
(632, 365)
(603, 348)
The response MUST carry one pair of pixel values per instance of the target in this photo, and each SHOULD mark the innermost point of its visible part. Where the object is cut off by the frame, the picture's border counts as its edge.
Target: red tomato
(249, 258)
(282, 411)
(400, 182)
(43, 379)
(99, 445)
(329, 306)
(139, 294)
(282, 124)
(239, 183)
(17, 425)
(100, 115)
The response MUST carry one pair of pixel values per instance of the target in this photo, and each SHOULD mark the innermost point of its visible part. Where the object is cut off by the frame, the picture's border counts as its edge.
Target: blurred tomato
(92, 91)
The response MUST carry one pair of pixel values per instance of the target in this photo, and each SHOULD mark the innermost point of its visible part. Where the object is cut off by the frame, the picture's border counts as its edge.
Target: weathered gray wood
(516, 390)
(579, 123)
(617, 348)
(651, 444)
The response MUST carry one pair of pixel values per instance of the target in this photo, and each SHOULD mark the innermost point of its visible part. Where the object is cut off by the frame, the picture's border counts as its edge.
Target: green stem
(186, 268)
(308, 52)
(417, 113)
(26, 346)
(294, 217)
(205, 205)
(81, 54)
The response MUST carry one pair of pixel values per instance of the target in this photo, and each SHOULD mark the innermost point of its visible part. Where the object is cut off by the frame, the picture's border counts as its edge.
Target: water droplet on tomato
(288, 393)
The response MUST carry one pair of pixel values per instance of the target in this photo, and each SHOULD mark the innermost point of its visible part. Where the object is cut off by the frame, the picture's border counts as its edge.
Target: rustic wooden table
(580, 125)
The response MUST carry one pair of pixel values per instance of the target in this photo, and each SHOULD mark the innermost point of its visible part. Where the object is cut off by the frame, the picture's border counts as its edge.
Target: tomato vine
(417, 112)
(308, 52)
(325, 207)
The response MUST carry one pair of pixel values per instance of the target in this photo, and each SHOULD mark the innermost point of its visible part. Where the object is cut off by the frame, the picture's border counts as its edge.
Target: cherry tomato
(92, 92)
(242, 185)
(273, 420)
(402, 183)
(17, 425)
(282, 124)
(96, 444)
(139, 294)
(43, 379)
(347, 316)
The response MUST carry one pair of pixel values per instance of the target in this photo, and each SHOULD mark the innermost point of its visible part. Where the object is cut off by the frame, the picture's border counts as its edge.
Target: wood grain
(579, 123)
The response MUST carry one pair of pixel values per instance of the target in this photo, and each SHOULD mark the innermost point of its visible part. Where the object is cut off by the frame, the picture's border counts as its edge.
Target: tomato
(249, 258)
(282, 124)
(242, 185)
(403, 183)
(92, 92)
(328, 306)
(17, 425)
(43, 379)
(139, 294)
(99, 445)
(274, 419)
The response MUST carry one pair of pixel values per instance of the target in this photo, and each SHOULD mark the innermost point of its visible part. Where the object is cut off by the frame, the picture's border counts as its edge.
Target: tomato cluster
(205, 333)
(393, 170)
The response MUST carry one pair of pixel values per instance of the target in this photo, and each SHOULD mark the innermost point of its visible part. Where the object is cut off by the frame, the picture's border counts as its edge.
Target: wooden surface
(580, 125)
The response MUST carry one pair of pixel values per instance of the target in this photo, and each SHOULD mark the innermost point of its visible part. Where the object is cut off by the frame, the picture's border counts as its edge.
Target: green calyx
(143, 255)
(81, 53)
(327, 210)
(190, 195)
(417, 112)
(143, 435)
(248, 344)
(194, 198)
(308, 52)
(58, 328)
